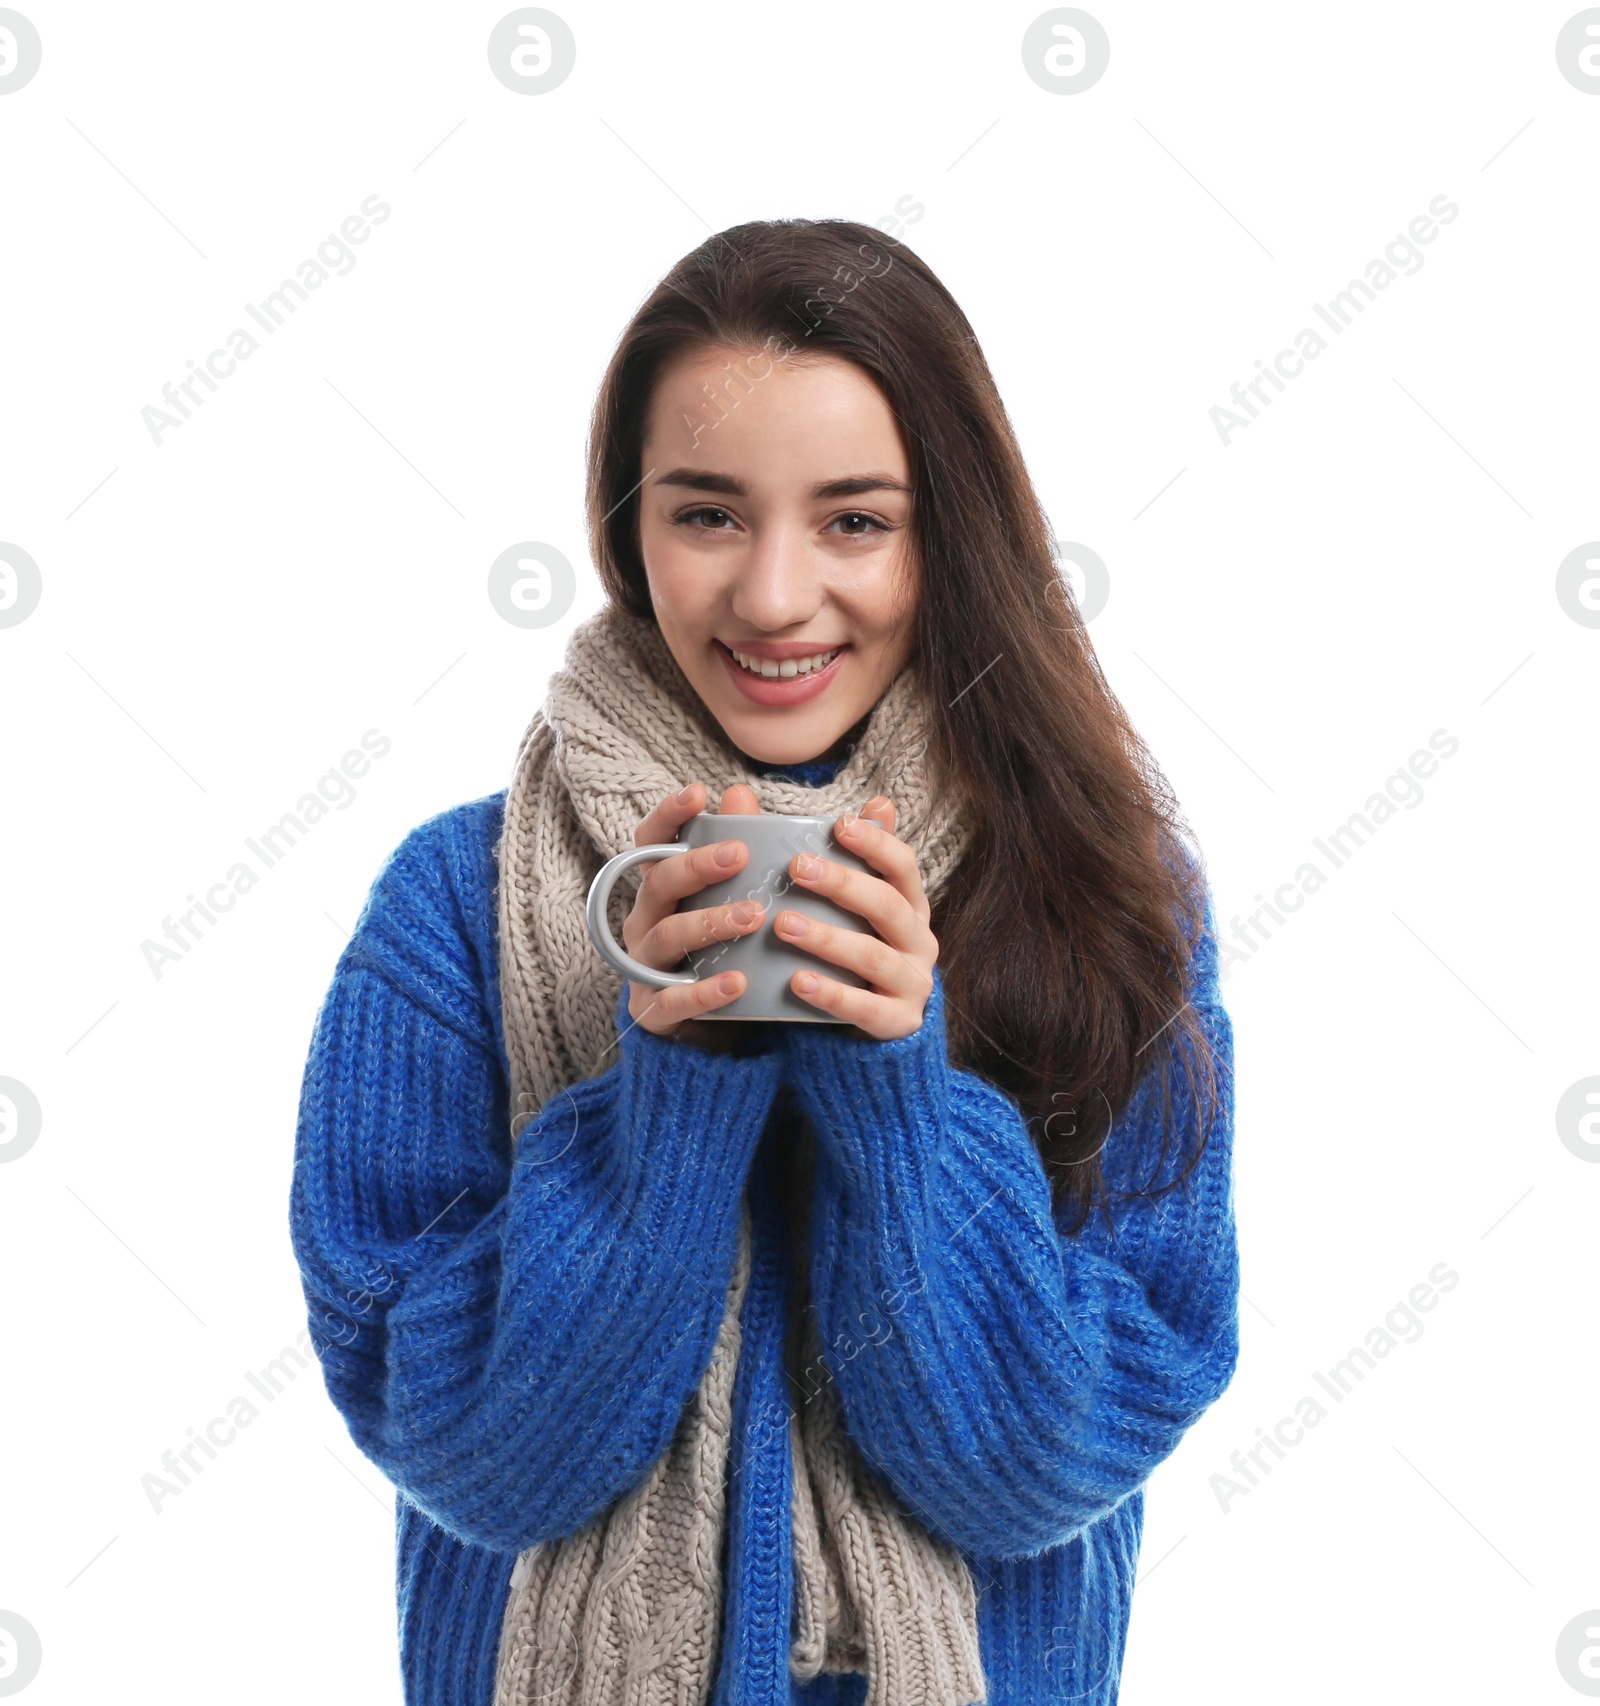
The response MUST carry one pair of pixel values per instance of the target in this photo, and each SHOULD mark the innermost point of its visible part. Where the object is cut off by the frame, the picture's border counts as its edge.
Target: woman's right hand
(655, 932)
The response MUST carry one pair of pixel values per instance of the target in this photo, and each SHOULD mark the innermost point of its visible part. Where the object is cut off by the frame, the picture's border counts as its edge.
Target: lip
(794, 690)
(778, 650)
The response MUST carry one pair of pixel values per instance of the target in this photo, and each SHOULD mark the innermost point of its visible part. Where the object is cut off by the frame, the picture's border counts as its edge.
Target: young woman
(783, 1362)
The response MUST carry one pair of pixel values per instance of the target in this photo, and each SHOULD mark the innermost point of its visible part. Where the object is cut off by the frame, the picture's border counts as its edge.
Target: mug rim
(787, 817)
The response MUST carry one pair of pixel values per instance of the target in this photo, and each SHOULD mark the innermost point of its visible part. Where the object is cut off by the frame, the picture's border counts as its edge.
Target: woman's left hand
(898, 969)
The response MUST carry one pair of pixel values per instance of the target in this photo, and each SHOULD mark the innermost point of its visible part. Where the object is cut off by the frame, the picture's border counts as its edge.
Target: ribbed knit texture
(511, 1333)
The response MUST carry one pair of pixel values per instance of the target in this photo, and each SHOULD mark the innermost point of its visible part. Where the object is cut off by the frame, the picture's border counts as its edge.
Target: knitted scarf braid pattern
(628, 1610)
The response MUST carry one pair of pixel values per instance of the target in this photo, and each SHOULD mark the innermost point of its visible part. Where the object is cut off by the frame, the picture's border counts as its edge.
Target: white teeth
(772, 670)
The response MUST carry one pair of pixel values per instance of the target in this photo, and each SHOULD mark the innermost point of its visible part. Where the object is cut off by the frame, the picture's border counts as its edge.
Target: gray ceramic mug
(767, 961)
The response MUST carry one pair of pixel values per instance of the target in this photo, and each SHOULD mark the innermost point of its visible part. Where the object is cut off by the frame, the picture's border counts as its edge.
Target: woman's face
(775, 542)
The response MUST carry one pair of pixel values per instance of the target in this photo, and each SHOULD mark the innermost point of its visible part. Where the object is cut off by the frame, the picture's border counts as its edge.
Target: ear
(741, 800)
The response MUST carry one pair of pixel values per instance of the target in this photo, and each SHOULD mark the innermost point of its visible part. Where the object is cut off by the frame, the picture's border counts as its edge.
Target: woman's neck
(809, 773)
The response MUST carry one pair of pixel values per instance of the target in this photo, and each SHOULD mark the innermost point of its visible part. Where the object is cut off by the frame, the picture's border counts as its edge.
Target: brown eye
(856, 523)
(697, 515)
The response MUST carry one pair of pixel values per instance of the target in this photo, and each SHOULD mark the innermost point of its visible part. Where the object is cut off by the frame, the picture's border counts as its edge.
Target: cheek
(894, 610)
(679, 589)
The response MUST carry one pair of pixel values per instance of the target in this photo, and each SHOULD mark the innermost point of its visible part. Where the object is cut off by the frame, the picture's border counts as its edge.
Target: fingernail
(795, 924)
(684, 793)
(806, 866)
(805, 983)
(744, 914)
(727, 853)
(728, 983)
(850, 827)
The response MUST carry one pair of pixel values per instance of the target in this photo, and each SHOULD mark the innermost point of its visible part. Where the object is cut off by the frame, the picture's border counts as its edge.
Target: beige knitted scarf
(627, 1611)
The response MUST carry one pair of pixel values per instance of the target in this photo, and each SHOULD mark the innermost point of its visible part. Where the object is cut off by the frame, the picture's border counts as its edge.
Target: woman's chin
(793, 748)
(781, 737)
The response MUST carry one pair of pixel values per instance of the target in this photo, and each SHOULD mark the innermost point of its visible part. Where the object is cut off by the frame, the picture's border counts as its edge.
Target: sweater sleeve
(1013, 1383)
(510, 1327)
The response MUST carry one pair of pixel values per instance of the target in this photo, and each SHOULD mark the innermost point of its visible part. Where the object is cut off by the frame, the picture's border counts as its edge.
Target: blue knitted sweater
(512, 1328)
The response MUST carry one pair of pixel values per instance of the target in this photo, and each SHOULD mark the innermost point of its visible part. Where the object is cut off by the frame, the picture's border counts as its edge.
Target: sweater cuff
(743, 1037)
(675, 1137)
(881, 1109)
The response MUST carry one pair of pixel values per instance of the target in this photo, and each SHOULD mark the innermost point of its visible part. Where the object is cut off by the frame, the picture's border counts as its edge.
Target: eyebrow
(853, 485)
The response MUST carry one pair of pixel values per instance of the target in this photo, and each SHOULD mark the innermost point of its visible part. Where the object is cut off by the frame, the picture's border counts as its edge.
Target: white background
(305, 559)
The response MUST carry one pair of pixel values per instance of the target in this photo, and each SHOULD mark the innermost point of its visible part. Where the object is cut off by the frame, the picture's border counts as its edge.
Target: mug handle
(606, 945)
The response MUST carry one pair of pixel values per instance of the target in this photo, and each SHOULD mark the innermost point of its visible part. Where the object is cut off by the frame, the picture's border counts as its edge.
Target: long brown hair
(1067, 936)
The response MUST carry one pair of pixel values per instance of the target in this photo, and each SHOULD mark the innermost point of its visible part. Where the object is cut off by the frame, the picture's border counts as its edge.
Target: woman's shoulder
(457, 839)
(1196, 919)
(429, 928)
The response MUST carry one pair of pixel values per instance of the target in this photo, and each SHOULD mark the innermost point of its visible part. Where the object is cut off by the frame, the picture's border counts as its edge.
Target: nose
(780, 584)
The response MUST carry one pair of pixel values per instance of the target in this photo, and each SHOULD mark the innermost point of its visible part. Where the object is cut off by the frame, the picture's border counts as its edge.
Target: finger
(880, 903)
(659, 1009)
(741, 799)
(877, 1015)
(670, 880)
(868, 839)
(883, 967)
(670, 816)
(681, 933)
(663, 884)
(881, 809)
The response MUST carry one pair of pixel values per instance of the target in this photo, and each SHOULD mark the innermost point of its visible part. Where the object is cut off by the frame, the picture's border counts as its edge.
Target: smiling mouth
(781, 682)
(774, 669)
